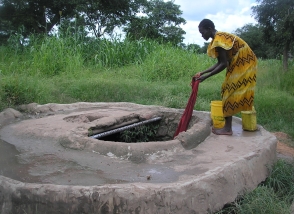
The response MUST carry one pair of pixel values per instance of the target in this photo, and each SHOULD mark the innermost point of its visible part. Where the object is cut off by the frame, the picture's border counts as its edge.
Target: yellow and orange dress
(238, 88)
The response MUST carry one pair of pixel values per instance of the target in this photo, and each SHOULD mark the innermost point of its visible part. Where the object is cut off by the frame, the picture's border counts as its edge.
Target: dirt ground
(283, 147)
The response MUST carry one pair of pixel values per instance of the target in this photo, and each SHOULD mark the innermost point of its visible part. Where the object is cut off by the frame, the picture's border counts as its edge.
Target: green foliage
(16, 41)
(74, 28)
(100, 18)
(270, 70)
(170, 63)
(194, 48)
(277, 20)
(17, 90)
(203, 49)
(274, 96)
(262, 200)
(75, 68)
(41, 16)
(36, 14)
(281, 180)
(52, 56)
(143, 133)
(115, 53)
(274, 196)
(56, 55)
(161, 23)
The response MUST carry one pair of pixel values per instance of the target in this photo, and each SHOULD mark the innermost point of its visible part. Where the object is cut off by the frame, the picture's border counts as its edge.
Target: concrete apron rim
(204, 191)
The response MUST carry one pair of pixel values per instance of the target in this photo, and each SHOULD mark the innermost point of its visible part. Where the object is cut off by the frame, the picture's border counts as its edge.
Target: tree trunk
(285, 56)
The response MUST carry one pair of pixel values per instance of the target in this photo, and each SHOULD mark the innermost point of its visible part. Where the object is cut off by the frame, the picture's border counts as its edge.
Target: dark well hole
(143, 131)
(156, 129)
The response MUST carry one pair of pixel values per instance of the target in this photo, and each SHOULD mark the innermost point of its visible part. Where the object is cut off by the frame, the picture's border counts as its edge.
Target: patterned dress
(238, 88)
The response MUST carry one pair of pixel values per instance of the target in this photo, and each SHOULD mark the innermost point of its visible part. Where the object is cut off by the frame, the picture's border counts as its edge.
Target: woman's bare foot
(222, 131)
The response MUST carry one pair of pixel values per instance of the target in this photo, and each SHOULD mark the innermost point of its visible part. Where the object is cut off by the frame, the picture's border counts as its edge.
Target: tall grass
(262, 200)
(274, 196)
(168, 63)
(275, 96)
(281, 180)
(76, 68)
(52, 56)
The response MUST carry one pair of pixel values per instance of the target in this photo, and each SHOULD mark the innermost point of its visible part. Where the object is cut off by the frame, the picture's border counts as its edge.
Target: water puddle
(11, 166)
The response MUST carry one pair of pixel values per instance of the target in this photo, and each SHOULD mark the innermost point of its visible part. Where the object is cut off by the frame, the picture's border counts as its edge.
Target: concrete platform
(48, 163)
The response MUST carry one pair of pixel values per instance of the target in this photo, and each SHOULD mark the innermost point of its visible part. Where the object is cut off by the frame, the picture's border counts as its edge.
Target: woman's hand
(198, 75)
(195, 77)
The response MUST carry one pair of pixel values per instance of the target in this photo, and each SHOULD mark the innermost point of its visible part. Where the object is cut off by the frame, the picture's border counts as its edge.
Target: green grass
(70, 69)
(262, 200)
(74, 69)
(274, 196)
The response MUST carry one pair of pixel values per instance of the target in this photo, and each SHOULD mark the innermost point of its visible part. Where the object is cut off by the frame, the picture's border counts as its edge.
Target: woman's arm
(209, 69)
(218, 67)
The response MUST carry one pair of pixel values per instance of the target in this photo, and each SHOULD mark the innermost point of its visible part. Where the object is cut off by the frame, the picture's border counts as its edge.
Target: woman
(240, 62)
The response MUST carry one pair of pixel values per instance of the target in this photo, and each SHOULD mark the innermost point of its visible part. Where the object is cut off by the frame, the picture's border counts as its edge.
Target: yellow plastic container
(249, 120)
(216, 114)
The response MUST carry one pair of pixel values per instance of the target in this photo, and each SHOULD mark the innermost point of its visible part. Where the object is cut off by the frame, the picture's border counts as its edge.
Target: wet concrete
(61, 166)
(11, 166)
(70, 167)
(50, 155)
(35, 158)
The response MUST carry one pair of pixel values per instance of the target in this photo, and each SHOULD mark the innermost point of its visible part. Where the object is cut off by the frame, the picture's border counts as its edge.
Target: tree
(40, 16)
(35, 16)
(203, 49)
(73, 27)
(277, 19)
(161, 21)
(101, 17)
(195, 48)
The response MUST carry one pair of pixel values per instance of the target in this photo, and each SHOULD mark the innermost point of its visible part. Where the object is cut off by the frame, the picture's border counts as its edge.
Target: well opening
(161, 128)
(137, 134)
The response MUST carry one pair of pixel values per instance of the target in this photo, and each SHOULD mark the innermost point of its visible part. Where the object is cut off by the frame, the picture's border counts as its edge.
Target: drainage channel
(107, 133)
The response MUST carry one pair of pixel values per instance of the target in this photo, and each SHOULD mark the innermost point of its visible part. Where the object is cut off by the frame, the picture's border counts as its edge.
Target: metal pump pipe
(103, 134)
